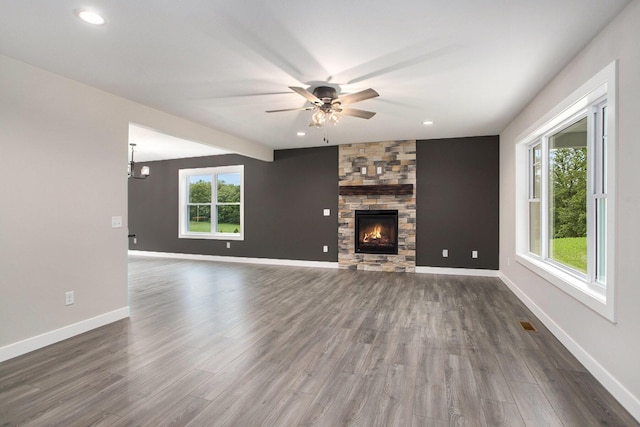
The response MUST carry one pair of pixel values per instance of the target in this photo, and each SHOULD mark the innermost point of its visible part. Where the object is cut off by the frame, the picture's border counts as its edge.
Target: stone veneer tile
(398, 159)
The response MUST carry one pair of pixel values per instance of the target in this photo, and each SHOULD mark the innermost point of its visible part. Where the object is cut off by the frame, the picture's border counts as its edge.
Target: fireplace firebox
(376, 232)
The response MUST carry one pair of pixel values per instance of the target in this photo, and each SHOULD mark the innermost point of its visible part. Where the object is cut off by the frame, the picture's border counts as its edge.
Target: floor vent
(527, 326)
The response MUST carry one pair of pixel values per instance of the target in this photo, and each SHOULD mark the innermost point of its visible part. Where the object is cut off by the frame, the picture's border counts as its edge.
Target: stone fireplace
(377, 177)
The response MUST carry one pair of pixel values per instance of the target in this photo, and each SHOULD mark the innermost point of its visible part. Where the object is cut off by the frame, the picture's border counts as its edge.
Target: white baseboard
(298, 263)
(268, 261)
(34, 343)
(630, 402)
(458, 271)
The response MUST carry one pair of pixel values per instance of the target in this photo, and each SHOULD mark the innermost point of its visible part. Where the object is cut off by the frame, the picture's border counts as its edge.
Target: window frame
(599, 91)
(533, 195)
(183, 202)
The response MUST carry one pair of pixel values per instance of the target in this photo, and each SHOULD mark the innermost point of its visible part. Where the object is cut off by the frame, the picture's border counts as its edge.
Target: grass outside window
(570, 251)
(205, 227)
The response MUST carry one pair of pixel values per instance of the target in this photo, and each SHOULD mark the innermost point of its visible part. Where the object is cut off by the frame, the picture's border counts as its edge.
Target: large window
(566, 198)
(211, 203)
(558, 163)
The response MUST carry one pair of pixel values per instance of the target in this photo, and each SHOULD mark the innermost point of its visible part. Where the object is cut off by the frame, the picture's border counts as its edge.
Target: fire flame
(373, 235)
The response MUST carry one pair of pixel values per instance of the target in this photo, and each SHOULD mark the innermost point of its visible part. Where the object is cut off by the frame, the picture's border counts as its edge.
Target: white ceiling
(152, 145)
(468, 65)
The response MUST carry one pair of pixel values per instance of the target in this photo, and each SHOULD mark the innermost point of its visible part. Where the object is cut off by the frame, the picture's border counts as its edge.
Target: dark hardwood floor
(213, 344)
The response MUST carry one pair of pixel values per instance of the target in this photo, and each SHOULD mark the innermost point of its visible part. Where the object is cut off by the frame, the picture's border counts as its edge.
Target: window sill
(577, 288)
(219, 236)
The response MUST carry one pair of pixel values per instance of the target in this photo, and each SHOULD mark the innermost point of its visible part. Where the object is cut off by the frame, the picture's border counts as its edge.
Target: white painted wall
(63, 155)
(610, 351)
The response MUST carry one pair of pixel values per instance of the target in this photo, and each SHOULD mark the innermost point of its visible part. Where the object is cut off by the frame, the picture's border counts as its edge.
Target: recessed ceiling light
(427, 122)
(301, 134)
(90, 17)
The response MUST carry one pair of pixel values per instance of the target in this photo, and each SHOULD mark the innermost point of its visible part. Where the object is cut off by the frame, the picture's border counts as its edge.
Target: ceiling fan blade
(354, 112)
(290, 109)
(309, 96)
(357, 97)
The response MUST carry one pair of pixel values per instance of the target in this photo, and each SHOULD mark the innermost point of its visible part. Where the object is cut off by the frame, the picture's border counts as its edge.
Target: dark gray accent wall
(284, 202)
(456, 201)
(457, 194)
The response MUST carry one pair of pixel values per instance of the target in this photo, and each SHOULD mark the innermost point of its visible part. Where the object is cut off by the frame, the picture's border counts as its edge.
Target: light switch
(326, 212)
(116, 222)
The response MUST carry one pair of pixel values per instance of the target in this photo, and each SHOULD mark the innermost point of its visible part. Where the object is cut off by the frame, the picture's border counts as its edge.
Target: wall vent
(527, 326)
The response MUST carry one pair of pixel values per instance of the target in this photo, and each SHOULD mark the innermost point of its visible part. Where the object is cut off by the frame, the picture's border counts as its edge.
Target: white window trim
(183, 175)
(602, 301)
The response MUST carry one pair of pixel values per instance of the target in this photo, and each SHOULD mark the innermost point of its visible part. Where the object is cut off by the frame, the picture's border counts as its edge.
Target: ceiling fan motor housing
(325, 93)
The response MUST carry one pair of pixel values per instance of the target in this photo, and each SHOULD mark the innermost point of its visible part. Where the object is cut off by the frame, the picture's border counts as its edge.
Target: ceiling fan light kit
(318, 118)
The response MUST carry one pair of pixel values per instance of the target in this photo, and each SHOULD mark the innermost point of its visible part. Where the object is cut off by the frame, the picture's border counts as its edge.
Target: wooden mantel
(378, 190)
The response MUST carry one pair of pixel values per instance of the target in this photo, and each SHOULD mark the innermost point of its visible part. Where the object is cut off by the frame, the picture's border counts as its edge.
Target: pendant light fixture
(131, 172)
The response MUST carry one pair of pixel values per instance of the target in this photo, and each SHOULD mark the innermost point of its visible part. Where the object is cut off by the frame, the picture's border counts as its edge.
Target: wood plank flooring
(215, 344)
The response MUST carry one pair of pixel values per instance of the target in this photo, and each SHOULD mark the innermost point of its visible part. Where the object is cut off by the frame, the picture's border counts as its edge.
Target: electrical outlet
(69, 298)
(228, 245)
(445, 253)
(379, 170)
(325, 248)
(474, 254)
(363, 170)
(326, 212)
(135, 240)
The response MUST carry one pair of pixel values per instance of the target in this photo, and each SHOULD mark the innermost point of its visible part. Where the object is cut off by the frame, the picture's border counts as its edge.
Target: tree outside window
(568, 198)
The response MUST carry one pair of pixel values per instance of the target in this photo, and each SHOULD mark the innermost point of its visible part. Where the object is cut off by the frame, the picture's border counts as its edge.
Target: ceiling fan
(329, 107)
